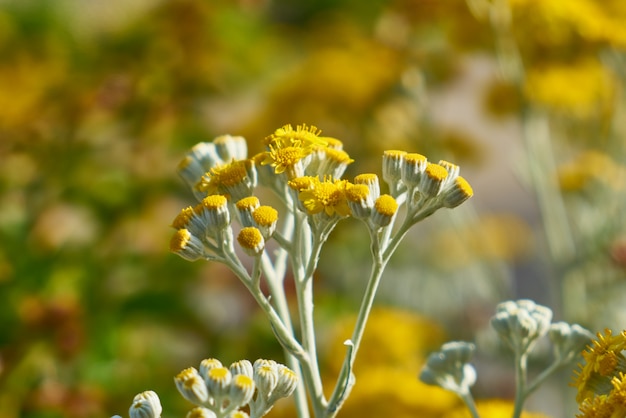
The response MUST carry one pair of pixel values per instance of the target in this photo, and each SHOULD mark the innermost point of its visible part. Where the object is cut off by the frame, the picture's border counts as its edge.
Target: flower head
(251, 240)
(603, 360)
(191, 385)
(326, 196)
(236, 178)
(449, 367)
(146, 405)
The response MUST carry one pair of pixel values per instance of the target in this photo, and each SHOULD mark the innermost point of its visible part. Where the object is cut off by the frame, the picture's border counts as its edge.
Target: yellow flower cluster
(601, 380)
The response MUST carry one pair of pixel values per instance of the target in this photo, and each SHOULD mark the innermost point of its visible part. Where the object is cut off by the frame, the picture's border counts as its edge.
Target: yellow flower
(603, 361)
(328, 196)
(493, 408)
(579, 88)
(303, 136)
(223, 177)
(283, 158)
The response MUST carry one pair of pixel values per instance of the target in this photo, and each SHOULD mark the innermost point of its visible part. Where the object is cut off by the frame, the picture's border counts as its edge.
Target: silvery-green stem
(468, 399)
(520, 383)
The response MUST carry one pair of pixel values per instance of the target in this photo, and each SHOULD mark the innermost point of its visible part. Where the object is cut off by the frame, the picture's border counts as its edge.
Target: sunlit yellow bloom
(603, 361)
(596, 407)
(251, 240)
(494, 408)
(223, 178)
(327, 196)
(581, 88)
(303, 136)
(285, 158)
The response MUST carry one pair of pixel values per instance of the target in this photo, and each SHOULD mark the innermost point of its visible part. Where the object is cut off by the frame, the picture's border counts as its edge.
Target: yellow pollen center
(243, 381)
(414, 159)
(366, 178)
(436, 172)
(288, 156)
(182, 219)
(218, 373)
(338, 156)
(396, 154)
(301, 183)
(327, 194)
(357, 192)
(179, 240)
(230, 174)
(386, 205)
(212, 203)
(265, 215)
(464, 186)
(250, 238)
(184, 163)
(248, 203)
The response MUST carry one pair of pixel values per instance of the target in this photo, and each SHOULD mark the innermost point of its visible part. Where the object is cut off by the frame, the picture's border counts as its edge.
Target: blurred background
(99, 101)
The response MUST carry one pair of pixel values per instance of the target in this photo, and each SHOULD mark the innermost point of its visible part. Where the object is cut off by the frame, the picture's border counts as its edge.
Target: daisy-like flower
(289, 159)
(326, 196)
(603, 361)
(303, 136)
(251, 240)
(236, 179)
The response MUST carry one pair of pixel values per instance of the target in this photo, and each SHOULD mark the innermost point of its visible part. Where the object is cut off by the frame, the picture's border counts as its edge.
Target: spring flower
(457, 193)
(231, 147)
(392, 166)
(241, 389)
(236, 179)
(433, 180)
(568, 340)
(304, 136)
(251, 240)
(288, 159)
(333, 162)
(202, 157)
(265, 377)
(286, 384)
(265, 218)
(200, 412)
(449, 368)
(359, 200)
(521, 323)
(245, 208)
(372, 183)
(206, 365)
(191, 385)
(412, 169)
(603, 360)
(213, 210)
(326, 196)
(186, 245)
(242, 367)
(146, 405)
(189, 219)
(385, 208)
(218, 382)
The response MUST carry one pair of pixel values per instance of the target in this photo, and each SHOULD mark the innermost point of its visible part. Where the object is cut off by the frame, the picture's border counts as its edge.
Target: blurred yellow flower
(494, 408)
(581, 89)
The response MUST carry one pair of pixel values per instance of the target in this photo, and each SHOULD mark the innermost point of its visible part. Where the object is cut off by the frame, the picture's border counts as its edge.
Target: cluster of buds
(218, 391)
(521, 323)
(427, 185)
(449, 368)
(304, 169)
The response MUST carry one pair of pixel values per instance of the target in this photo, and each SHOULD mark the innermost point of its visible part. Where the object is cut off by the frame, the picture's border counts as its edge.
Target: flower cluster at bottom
(222, 392)
(601, 380)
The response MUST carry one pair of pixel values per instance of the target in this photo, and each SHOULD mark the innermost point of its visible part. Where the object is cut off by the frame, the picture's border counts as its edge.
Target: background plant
(116, 94)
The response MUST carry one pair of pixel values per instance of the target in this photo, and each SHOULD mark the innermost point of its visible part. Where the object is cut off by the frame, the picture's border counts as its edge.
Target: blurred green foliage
(99, 101)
